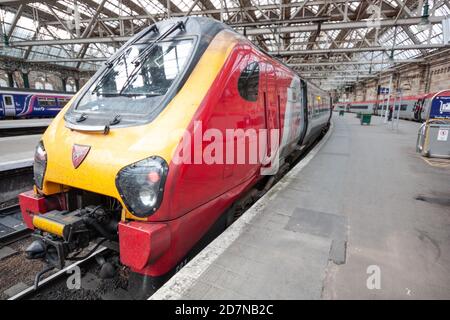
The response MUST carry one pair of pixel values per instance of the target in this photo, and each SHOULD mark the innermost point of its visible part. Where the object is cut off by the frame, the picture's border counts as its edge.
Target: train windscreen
(139, 81)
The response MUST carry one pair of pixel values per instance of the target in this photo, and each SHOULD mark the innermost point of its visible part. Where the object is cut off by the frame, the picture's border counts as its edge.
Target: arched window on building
(38, 85)
(70, 87)
(48, 86)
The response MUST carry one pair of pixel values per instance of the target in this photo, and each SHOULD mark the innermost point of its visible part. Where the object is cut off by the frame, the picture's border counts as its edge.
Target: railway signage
(442, 135)
(383, 90)
(440, 107)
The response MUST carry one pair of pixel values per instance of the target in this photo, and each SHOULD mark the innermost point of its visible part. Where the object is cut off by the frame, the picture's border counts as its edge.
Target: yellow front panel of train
(123, 146)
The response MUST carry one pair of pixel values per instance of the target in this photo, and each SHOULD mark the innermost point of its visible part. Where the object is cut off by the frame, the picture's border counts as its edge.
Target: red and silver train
(415, 108)
(108, 167)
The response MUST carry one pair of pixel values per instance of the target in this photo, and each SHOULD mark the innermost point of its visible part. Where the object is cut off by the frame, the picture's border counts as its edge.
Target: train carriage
(31, 103)
(416, 108)
(362, 107)
(411, 107)
(122, 159)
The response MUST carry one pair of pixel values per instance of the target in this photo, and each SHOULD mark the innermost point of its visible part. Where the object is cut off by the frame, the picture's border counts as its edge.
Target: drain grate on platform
(324, 225)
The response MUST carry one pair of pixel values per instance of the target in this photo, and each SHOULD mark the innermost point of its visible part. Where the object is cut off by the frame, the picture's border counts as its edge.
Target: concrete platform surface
(24, 123)
(17, 152)
(360, 217)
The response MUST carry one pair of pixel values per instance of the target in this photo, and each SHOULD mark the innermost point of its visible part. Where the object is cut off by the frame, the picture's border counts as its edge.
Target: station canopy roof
(332, 43)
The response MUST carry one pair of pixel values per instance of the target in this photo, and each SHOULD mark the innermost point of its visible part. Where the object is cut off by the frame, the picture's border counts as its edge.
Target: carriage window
(63, 101)
(248, 82)
(293, 94)
(47, 102)
(8, 100)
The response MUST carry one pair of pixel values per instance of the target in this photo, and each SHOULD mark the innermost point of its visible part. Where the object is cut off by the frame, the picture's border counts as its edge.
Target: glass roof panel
(151, 6)
(26, 26)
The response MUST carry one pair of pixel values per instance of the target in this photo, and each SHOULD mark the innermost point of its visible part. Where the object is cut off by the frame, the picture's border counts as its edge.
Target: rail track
(56, 277)
(9, 210)
(14, 236)
(18, 131)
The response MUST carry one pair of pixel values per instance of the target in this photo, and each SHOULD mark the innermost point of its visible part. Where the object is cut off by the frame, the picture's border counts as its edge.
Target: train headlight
(40, 164)
(148, 197)
(141, 185)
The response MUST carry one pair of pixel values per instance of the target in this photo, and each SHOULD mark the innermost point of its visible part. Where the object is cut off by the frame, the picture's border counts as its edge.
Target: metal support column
(10, 79)
(26, 80)
(388, 100)
(64, 84)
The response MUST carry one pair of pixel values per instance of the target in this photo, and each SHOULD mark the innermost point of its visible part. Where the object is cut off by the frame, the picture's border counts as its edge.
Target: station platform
(362, 216)
(17, 152)
(24, 123)
(21, 127)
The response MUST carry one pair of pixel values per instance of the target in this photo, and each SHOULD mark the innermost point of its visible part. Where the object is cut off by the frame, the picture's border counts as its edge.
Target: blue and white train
(31, 103)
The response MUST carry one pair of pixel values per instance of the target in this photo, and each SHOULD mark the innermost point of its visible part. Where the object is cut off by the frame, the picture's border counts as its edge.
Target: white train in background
(417, 108)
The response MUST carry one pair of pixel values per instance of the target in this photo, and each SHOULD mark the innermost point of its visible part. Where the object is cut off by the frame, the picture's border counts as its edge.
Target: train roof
(24, 90)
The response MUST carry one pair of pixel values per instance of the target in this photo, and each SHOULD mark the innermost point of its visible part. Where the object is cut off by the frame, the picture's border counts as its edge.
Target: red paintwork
(186, 231)
(31, 204)
(444, 93)
(149, 242)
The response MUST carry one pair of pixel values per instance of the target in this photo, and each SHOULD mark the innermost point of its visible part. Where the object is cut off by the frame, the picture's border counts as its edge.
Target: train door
(304, 104)
(418, 110)
(425, 109)
(330, 105)
(9, 106)
(272, 118)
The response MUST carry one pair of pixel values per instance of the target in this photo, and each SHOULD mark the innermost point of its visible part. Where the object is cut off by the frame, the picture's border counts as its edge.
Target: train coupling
(62, 235)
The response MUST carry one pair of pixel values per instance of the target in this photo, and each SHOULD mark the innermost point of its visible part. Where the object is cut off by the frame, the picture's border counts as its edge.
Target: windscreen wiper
(141, 57)
(81, 118)
(102, 128)
(115, 120)
(146, 52)
(111, 64)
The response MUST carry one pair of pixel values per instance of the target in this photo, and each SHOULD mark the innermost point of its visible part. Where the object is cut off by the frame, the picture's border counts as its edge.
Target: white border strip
(175, 288)
(16, 164)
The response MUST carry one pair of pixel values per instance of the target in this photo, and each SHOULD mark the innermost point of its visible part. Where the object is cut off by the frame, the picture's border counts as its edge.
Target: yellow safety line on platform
(439, 163)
